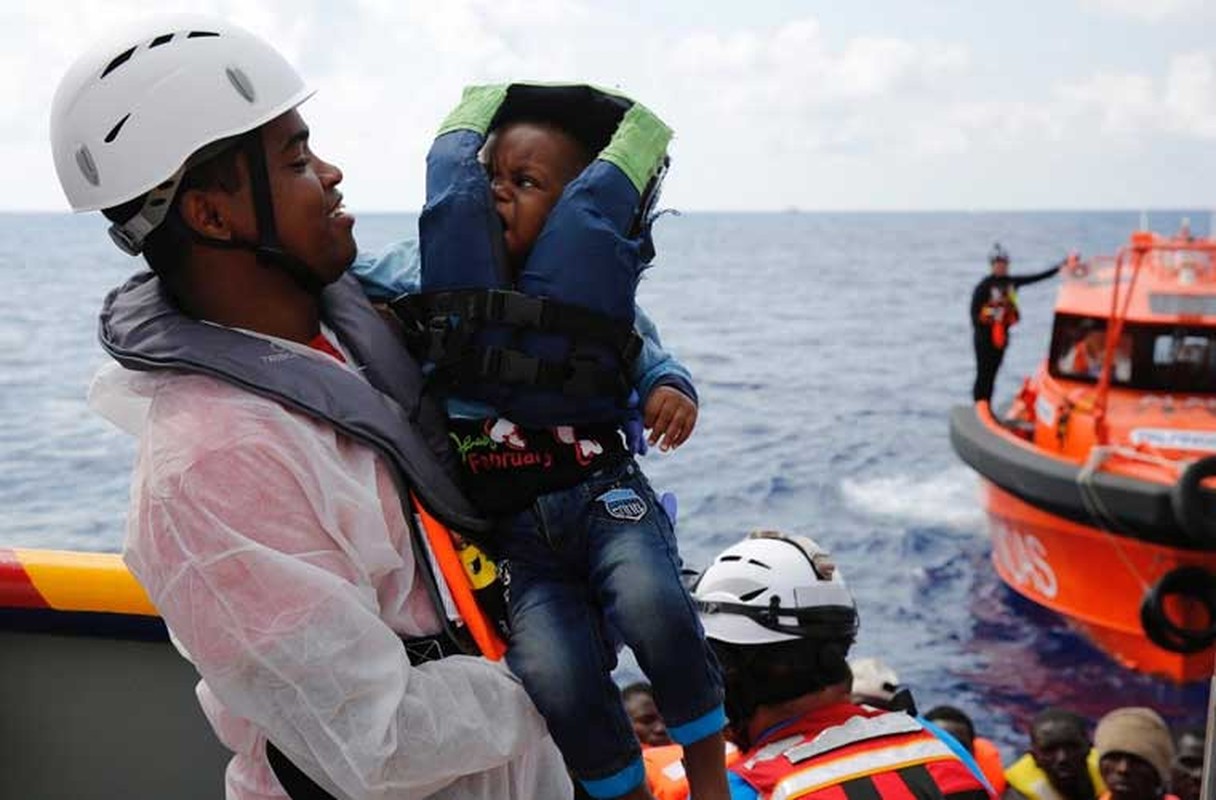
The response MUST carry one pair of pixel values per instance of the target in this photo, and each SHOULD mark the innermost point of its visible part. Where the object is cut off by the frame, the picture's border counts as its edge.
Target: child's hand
(670, 415)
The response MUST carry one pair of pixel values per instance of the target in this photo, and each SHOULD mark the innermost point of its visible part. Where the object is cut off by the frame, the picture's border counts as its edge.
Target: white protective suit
(277, 552)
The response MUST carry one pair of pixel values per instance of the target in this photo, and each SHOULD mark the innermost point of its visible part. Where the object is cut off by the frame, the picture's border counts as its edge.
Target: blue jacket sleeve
(654, 365)
(390, 273)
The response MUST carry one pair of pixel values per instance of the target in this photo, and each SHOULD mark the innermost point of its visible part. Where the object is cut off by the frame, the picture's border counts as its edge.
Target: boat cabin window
(1078, 348)
(1157, 358)
(1184, 360)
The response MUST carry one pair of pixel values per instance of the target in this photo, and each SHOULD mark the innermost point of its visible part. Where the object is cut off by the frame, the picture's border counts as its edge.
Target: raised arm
(1022, 280)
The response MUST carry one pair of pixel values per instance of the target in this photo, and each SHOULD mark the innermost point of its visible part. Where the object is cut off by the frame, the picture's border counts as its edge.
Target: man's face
(308, 213)
(1059, 749)
(647, 724)
(530, 165)
(1129, 777)
(1000, 267)
(1187, 769)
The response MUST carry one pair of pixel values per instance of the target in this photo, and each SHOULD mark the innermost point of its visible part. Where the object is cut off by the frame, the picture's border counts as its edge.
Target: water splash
(947, 499)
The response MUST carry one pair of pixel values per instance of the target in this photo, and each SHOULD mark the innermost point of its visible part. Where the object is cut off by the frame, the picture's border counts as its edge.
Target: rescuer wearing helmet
(781, 621)
(280, 437)
(994, 310)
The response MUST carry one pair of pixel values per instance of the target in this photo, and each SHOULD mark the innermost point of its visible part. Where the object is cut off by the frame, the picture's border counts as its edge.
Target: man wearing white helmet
(781, 621)
(281, 433)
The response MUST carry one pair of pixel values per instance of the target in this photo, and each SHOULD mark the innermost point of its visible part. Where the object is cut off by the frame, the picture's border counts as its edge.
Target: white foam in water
(950, 498)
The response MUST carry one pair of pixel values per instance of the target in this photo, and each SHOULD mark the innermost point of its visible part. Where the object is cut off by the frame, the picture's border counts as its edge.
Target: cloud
(766, 115)
(1144, 10)
(790, 91)
(1131, 105)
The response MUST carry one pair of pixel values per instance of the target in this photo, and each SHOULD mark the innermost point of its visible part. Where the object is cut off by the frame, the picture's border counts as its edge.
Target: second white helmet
(774, 587)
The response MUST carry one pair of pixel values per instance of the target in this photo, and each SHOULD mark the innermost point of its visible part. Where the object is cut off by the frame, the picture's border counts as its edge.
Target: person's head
(1135, 751)
(954, 722)
(530, 163)
(781, 621)
(648, 725)
(1059, 745)
(1095, 341)
(998, 260)
(1187, 770)
(183, 130)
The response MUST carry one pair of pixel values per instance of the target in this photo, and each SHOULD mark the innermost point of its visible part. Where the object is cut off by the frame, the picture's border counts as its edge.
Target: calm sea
(828, 350)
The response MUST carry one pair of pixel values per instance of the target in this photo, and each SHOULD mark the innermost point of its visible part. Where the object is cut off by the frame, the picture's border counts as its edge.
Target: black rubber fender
(1193, 582)
(1187, 500)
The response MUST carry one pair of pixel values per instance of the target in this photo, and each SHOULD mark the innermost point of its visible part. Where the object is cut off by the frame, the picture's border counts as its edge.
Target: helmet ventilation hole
(162, 39)
(113, 134)
(200, 34)
(747, 596)
(758, 563)
(118, 61)
(240, 82)
(84, 160)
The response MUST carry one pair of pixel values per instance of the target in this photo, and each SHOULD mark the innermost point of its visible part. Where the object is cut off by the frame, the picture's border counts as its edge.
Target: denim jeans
(584, 566)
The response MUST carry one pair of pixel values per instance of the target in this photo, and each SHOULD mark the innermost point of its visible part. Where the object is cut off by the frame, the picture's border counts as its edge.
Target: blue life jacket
(556, 347)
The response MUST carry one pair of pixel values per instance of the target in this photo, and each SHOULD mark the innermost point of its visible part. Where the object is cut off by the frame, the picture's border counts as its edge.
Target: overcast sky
(885, 104)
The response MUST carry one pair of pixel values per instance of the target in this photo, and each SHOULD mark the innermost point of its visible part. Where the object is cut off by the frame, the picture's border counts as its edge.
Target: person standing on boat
(280, 437)
(1061, 764)
(779, 616)
(994, 310)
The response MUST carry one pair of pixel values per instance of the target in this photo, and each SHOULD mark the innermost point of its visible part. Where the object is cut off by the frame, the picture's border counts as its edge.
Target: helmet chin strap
(267, 249)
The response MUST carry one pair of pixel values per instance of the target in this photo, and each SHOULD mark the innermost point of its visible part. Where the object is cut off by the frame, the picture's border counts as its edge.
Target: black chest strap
(442, 327)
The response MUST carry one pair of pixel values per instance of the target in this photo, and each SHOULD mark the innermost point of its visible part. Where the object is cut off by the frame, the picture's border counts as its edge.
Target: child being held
(589, 551)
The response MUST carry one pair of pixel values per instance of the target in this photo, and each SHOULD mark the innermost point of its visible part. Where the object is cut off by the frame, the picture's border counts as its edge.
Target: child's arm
(390, 273)
(669, 406)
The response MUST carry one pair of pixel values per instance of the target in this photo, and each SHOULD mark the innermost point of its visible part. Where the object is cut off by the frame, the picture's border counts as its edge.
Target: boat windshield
(1177, 359)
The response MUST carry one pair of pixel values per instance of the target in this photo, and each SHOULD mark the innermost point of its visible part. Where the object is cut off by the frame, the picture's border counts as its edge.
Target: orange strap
(443, 547)
(1000, 336)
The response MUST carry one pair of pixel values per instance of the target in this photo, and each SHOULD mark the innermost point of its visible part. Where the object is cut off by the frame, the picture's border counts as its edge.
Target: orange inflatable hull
(1095, 580)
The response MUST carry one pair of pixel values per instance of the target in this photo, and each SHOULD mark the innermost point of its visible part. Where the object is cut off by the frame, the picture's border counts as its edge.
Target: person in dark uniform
(994, 310)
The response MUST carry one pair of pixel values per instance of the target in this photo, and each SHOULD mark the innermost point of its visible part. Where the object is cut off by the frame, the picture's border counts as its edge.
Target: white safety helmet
(775, 587)
(130, 112)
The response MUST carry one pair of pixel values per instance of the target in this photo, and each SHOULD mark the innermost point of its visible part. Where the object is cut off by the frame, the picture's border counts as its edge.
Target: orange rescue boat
(1095, 477)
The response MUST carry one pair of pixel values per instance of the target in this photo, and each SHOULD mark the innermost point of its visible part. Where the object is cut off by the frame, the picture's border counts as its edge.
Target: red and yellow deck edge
(70, 581)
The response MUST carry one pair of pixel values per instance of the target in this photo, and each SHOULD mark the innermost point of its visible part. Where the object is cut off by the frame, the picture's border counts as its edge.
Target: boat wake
(948, 499)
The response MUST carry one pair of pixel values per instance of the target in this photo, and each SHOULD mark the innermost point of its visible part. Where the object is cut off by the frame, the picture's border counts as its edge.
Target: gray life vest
(143, 330)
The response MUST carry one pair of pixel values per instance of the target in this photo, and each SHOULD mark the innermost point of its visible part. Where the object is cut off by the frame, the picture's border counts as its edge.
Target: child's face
(530, 165)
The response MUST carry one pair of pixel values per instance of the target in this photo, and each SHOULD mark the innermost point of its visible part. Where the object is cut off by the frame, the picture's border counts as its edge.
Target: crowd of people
(293, 446)
(1131, 753)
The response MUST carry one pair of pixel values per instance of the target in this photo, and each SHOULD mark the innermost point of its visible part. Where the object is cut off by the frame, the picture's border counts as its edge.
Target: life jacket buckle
(515, 309)
(443, 339)
(510, 366)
